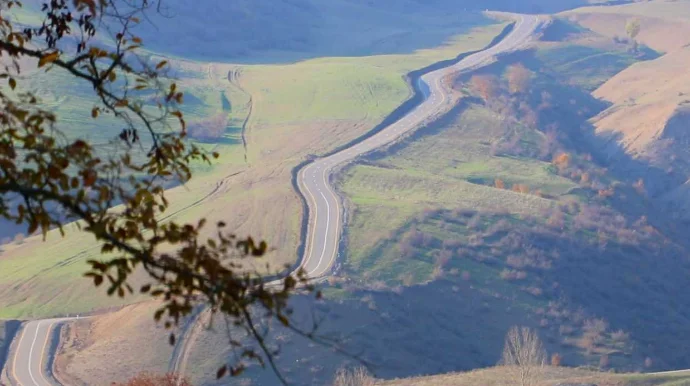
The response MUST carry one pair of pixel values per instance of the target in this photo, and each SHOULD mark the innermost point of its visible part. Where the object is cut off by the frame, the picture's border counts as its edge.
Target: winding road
(30, 354)
(325, 207)
(27, 367)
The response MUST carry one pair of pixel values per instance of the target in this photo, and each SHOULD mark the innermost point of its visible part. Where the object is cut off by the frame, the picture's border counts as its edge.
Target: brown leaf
(89, 177)
(221, 372)
(45, 59)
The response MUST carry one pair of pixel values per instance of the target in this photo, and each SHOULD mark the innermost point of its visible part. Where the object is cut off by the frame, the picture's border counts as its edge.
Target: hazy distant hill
(280, 30)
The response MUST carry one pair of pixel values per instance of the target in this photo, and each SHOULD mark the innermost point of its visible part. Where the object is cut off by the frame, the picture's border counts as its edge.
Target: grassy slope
(446, 168)
(47, 274)
(272, 86)
(393, 194)
(649, 100)
(449, 169)
(436, 172)
(88, 344)
(499, 376)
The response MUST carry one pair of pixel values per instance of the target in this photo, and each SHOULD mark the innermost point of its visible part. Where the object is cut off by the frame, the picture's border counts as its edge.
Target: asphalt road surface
(30, 356)
(325, 207)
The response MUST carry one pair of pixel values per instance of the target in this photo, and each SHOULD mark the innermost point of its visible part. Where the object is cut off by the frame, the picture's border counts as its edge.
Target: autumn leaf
(45, 59)
(221, 372)
(89, 177)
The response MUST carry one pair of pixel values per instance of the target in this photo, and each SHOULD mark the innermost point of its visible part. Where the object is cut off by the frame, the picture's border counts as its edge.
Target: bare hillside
(647, 116)
(557, 376)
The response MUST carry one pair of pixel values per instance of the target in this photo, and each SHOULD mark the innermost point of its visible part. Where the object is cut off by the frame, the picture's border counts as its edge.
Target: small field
(88, 344)
(451, 168)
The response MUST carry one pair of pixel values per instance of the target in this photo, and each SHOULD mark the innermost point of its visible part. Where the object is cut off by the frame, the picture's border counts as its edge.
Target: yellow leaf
(94, 112)
(13, 83)
(136, 39)
(161, 64)
(45, 59)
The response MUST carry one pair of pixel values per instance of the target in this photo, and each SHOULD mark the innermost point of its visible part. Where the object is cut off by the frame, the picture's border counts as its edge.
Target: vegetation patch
(510, 192)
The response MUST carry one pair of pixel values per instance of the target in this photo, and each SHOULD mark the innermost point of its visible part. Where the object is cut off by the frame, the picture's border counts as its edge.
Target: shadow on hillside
(571, 109)
(269, 31)
(455, 323)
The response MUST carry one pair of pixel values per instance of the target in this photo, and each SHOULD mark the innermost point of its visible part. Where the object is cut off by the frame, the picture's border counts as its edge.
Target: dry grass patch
(498, 376)
(110, 348)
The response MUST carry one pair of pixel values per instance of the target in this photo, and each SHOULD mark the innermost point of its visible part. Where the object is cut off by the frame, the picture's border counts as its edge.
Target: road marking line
(325, 238)
(45, 344)
(310, 247)
(31, 354)
(14, 362)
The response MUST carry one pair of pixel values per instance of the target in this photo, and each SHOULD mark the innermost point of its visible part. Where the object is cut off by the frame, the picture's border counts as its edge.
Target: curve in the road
(30, 355)
(313, 182)
(325, 206)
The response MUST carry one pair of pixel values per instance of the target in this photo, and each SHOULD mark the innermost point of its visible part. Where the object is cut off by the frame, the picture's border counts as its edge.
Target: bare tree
(354, 377)
(524, 353)
(632, 28)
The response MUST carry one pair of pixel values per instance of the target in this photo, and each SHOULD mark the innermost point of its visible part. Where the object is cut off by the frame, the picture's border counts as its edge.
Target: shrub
(443, 258)
(534, 291)
(437, 273)
(486, 86)
(565, 330)
(475, 221)
(639, 187)
(508, 274)
(620, 336)
(521, 188)
(584, 178)
(474, 240)
(499, 184)
(518, 78)
(556, 359)
(452, 244)
(604, 361)
(354, 377)
(407, 279)
(562, 161)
